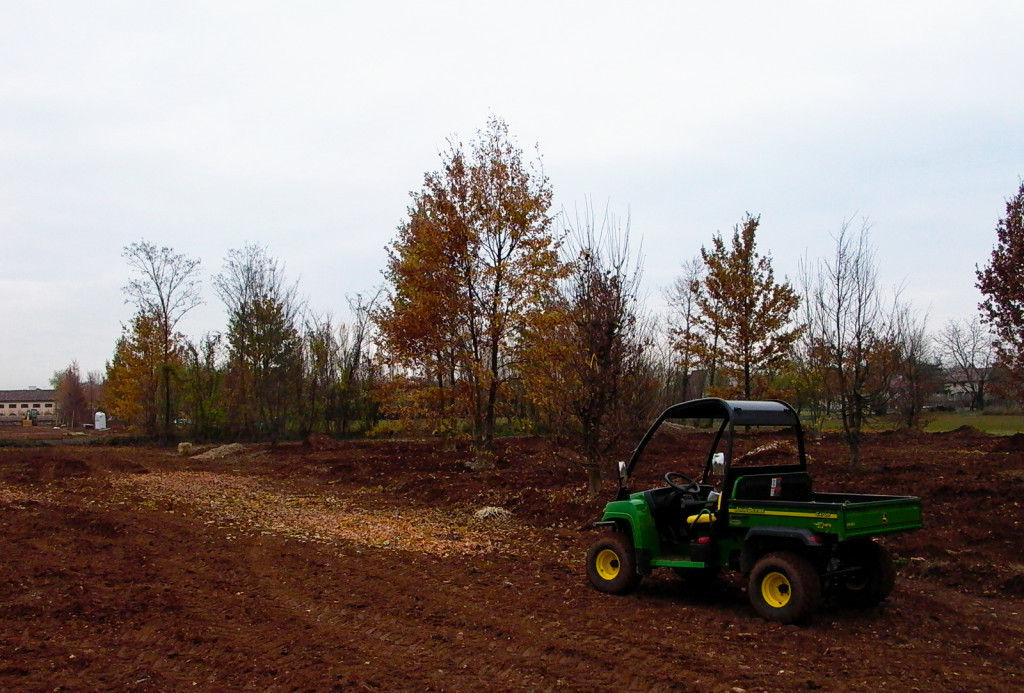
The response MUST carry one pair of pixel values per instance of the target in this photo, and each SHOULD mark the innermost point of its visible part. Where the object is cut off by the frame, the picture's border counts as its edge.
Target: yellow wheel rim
(775, 590)
(856, 584)
(607, 563)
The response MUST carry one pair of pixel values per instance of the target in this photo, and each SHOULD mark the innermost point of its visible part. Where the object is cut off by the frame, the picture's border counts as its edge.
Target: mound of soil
(319, 442)
(1014, 443)
(220, 452)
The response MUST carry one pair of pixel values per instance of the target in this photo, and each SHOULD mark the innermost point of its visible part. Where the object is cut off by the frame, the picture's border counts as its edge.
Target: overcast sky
(304, 125)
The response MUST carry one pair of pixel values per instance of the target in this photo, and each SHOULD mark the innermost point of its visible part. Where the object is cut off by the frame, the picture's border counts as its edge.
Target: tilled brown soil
(360, 565)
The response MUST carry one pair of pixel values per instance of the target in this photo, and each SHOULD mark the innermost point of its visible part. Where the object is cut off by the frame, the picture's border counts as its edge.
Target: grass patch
(939, 422)
(996, 424)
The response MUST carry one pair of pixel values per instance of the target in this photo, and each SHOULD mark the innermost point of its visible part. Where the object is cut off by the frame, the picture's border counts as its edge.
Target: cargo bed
(845, 515)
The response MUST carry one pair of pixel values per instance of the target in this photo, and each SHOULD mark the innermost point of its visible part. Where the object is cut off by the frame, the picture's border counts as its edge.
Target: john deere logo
(885, 518)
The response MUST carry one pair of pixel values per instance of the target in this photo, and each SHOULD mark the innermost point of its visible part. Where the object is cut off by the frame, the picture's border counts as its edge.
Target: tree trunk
(593, 478)
(167, 401)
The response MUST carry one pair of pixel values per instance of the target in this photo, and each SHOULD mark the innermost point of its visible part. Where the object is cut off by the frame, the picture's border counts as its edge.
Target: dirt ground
(336, 566)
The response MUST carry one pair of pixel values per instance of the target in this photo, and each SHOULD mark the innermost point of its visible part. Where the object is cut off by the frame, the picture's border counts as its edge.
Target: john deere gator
(764, 520)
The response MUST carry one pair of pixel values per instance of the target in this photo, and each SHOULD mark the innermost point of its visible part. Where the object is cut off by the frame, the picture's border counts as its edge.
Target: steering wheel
(683, 484)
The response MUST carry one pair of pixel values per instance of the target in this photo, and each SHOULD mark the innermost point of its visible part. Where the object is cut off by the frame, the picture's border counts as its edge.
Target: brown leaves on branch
(1001, 282)
(467, 272)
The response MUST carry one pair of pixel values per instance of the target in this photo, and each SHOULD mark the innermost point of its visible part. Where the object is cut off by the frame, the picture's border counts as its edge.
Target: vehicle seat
(665, 510)
(703, 516)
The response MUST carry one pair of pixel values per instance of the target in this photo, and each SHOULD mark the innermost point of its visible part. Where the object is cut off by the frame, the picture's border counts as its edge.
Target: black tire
(784, 587)
(874, 578)
(611, 565)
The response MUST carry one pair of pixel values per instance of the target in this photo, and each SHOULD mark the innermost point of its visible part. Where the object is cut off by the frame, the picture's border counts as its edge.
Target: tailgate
(869, 518)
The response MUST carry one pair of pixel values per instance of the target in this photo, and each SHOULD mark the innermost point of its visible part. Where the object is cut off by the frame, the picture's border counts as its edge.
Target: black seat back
(665, 506)
(785, 486)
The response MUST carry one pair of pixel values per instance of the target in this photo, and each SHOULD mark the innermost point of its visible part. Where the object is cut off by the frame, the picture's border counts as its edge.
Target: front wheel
(611, 565)
(784, 587)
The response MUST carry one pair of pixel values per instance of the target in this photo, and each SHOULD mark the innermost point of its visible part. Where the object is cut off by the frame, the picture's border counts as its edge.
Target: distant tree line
(277, 370)
(498, 315)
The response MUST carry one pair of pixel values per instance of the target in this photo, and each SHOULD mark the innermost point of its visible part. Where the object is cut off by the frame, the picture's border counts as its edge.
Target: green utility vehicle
(753, 513)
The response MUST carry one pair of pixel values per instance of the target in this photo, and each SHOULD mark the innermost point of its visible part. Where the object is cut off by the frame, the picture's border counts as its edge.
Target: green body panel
(675, 562)
(747, 514)
(637, 517)
(635, 514)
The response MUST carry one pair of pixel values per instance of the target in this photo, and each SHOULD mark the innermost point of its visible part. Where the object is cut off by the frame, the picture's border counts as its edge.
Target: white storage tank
(101, 421)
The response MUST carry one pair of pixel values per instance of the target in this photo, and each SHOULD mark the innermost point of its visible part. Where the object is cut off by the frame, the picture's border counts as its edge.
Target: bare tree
(582, 360)
(165, 286)
(917, 373)
(967, 346)
(94, 383)
(263, 340)
(684, 326)
(354, 345)
(847, 330)
(664, 365)
(321, 364)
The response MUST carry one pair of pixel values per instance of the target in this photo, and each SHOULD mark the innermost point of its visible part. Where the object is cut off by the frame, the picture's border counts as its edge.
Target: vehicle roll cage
(732, 413)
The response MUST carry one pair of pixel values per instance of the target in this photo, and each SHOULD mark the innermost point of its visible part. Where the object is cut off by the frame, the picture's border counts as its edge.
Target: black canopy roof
(730, 412)
(738, 412)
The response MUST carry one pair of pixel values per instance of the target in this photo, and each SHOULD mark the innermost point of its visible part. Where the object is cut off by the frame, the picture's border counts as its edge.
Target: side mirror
(718, 464)
(622, 471)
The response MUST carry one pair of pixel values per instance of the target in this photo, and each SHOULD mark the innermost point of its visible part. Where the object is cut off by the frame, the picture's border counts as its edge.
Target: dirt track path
(126, 581)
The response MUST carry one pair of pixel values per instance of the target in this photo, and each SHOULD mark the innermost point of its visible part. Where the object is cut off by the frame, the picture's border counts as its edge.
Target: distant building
(17, 405)
(962, 387)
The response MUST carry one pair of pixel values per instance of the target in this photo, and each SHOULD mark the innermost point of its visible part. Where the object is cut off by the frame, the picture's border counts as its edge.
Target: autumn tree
(966, 346)
(134, 374)
(70, 396)
(264, 360)
(165, 287)
(1001, 282)
(582, 356)
(746, 317)
(465, 274)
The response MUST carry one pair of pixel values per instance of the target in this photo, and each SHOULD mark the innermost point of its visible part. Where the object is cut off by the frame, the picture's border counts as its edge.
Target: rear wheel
(784, 587)
(611, 565)
(873, 579)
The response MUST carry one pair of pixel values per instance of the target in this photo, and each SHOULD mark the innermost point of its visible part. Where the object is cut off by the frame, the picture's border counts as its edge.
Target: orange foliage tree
(70, 396)
(466, 272)
(135, 375)
(746, 317)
